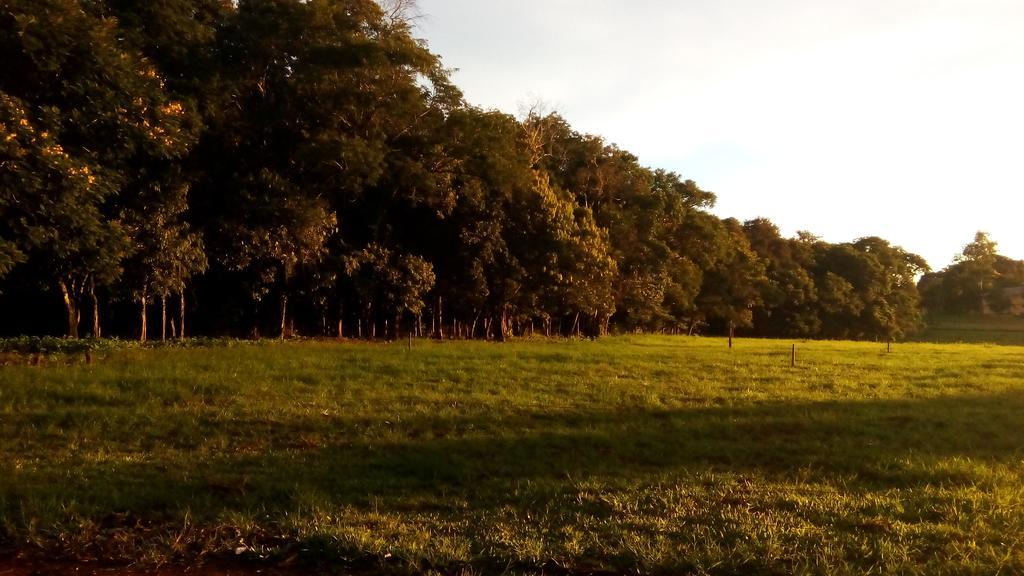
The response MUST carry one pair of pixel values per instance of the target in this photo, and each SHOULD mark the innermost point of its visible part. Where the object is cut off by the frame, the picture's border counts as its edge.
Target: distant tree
(981, 251)
(789, 299)
(734, 283)
(894, 307)
(868, 289)
(1009, 276)
(976, 282)
(978, 265)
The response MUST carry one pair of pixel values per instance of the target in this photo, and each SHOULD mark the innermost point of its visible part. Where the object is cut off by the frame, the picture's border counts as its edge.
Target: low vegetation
(650, 454)
(1006, 330)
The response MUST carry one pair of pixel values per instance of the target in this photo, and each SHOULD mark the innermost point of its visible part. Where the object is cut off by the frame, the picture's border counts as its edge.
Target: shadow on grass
(880, 444)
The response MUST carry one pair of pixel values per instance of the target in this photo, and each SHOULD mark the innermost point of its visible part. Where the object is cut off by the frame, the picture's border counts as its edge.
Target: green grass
(1007, 330)
(651, 454)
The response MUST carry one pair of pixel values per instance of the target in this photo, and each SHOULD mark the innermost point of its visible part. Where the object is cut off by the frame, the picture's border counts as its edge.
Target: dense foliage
(287, 166)
(980, 281)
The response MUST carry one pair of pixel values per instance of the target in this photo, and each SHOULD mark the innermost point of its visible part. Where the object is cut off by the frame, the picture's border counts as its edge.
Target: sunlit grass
(656, 454)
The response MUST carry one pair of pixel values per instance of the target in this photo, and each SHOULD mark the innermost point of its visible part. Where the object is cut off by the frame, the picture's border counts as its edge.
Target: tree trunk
(181, 312)
(284, 316)
(472, 328)
(142, 319)
(96, 331)
(440, 318)
(341, 320)
(163, 317)
(71, 306)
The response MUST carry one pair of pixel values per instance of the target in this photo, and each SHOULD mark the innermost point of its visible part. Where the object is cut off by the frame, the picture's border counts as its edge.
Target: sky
(847, 118)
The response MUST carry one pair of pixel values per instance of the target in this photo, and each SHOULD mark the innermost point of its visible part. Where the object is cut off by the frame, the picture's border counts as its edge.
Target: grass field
(1007, 330)
(639, 454)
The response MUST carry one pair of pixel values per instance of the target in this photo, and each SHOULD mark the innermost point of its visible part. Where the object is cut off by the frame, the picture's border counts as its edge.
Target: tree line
(276, 167)
(980, 281)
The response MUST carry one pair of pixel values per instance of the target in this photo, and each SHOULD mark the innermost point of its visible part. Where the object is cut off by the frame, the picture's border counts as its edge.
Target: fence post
(793, 357)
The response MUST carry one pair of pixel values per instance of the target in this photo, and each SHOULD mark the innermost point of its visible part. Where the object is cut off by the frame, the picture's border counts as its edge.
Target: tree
(90, 111)
(388, 285)
(167, 253)
(10, 256)
(868, 288)
(327, 105)
(52, 203)
(788, 304)
(978, 260)
(895, 309)
(317, 153)
(976, 282)
(647, 215)
(733, 283)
